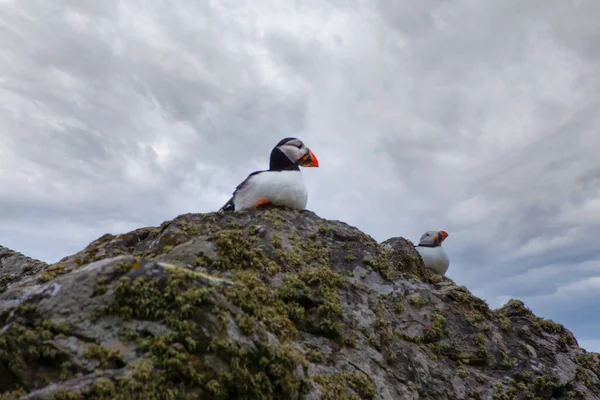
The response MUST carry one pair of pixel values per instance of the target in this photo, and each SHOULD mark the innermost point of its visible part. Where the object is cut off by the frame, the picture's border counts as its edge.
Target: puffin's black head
(290, 153)
(433, 238)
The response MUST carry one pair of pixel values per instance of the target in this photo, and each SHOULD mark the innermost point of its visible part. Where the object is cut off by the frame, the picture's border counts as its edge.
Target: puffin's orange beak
(444, 235)
(309, 160)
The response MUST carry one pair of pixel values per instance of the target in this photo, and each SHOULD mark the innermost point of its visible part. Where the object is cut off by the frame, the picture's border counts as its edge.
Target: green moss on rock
(272, 309)
(28, 358)
(437, 328)
(265, 373)
(172, 301)
(343, 386)
(417, 301)
(235, 252)
(185, 360)
(106, 357)
(4, 281)
(381, 264)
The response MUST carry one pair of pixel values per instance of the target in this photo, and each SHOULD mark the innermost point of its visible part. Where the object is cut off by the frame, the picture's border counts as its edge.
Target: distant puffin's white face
(295, 151)
(433, 238)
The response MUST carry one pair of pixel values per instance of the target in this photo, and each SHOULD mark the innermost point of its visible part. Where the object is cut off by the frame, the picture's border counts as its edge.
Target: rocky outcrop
(14, 266)
(269, 304)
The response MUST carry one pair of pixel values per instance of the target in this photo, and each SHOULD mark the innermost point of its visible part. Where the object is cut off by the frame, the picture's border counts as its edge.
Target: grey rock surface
(269, 304)
(14, 267)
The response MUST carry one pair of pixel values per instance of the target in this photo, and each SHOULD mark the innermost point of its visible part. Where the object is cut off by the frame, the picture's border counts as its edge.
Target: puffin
(431, 251)
(280, 185)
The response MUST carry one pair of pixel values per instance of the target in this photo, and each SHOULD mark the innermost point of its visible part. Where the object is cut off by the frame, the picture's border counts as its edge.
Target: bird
(280, 185)
(433, 254)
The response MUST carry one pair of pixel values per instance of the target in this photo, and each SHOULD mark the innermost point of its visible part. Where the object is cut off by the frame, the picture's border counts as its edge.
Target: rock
(269, 304)
(14, 267)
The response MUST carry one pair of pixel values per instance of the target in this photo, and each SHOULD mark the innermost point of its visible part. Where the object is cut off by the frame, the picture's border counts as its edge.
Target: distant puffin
(431, 251)
(281, 184)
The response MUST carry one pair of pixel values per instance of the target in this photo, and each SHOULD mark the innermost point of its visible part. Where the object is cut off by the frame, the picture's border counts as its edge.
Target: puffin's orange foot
(262, 203)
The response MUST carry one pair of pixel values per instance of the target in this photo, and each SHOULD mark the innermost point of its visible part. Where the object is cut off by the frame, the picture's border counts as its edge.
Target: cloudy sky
(480, 118)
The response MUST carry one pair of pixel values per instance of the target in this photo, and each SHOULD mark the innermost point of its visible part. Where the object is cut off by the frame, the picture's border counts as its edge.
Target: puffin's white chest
(280, 188)
(434, 258)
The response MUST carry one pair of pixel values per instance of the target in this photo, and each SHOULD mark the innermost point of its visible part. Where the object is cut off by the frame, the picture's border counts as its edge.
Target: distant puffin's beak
(444, 235)
(309, 160)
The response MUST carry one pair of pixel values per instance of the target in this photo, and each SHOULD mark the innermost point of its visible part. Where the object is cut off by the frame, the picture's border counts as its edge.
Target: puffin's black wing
(229, 206)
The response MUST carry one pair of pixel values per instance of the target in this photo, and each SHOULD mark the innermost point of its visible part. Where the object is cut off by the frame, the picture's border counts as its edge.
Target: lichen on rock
(269, 304)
